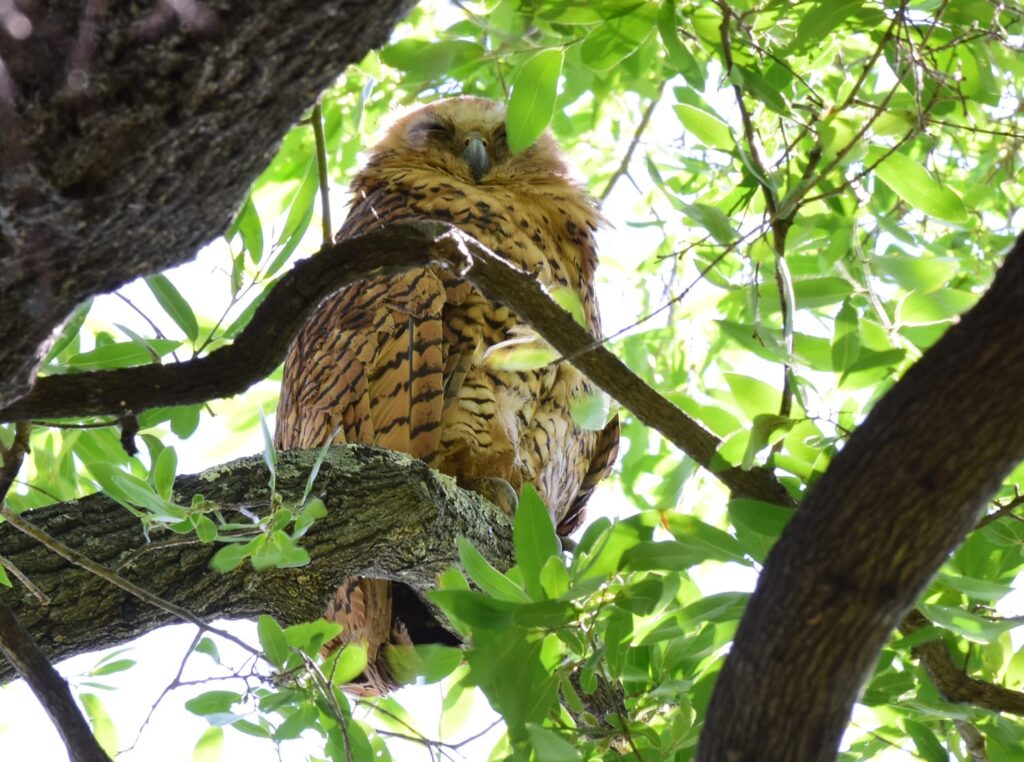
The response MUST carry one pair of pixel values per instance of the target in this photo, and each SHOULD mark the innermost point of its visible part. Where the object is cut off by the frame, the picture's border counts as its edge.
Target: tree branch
(389, 516)
(49, 687)
(951, 681)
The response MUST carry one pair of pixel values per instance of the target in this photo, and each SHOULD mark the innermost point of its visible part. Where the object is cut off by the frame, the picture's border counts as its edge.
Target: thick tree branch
(50, 688)
(130, 132)
(951, 681)
(870, 534)
(388, 516)
(253, 355)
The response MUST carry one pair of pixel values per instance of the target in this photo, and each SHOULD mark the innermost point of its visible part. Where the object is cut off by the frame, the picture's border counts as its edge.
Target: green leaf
(208, 647)
(230, 556)
(939, 306)
(758, 516)
(912, 182)
(971, 626)
(269, 453)
(102, 726)
(474, 609)
(846, 339)
(820, 20)
(535, 539)
(712, 541)
(927, 744)
(974, 588)
(69, 331)
(611, 42)
(520, 353)
(676, 49)
(272, 640)
(311, 511)
(708, 129)
(174, 305)
(753, 395)
(129, 490)
(437, 661)
(315, 470)
(299, 214)
(570, 301)
(489, 579)
(591, 410)
(248, 224)
(348, 663)
(213, 702)
(309, 636)
(163, 472)
(210, 746)
(670, 555)
(431, 60)
(121, 354)
(206, 530)
(532, 102)
(548, 746)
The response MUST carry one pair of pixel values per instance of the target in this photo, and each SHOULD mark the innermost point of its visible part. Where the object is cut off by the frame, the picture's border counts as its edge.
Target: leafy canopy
(805, 196)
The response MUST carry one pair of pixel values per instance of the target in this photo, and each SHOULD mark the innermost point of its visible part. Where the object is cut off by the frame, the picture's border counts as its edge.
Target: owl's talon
(495, 490)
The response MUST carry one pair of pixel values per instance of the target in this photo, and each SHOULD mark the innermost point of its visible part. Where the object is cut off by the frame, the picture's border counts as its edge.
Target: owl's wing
(606, 448)
(372, 362)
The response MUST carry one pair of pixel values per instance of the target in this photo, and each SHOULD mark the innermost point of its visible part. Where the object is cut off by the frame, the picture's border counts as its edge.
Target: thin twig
(321, 165)
(623, 167)
(40, 596)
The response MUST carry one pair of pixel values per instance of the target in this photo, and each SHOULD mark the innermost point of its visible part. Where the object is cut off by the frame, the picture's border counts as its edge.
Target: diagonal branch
(262, 345)
(53, 693)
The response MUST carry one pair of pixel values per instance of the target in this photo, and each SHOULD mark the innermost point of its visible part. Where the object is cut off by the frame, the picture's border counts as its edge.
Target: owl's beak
(476, 155)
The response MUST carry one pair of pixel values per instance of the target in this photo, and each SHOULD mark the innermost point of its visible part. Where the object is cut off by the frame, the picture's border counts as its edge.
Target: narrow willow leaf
(534, 539)
(708, 129)
(210, 746)
(102, 726)
(677, 52)
(174, 305)
(846, 340)
(570, 301)
(489, 579)
(913, 183)
(249, 226)
(616, 39)
(520, 353)
(532, 103)
(269, 453)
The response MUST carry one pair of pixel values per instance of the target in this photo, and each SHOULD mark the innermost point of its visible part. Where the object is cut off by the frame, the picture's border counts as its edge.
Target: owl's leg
(495, 490)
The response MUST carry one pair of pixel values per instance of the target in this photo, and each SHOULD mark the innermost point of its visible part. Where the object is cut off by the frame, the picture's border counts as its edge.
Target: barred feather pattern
(395, 361)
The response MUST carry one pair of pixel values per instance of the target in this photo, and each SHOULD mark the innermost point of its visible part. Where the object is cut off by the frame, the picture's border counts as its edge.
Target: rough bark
(897, 499)
(129, 135)
(389, 516)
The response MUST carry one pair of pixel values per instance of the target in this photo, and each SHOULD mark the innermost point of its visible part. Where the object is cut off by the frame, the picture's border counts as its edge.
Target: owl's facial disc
(476, 155)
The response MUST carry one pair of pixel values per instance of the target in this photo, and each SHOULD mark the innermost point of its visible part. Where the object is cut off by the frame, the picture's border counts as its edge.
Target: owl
(406, 362)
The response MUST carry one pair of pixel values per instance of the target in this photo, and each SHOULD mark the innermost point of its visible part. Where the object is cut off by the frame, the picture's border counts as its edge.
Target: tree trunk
(129, 135)
(902, 493)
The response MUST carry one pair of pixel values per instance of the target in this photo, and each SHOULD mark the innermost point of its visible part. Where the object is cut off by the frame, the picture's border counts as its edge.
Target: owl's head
(465, 137)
